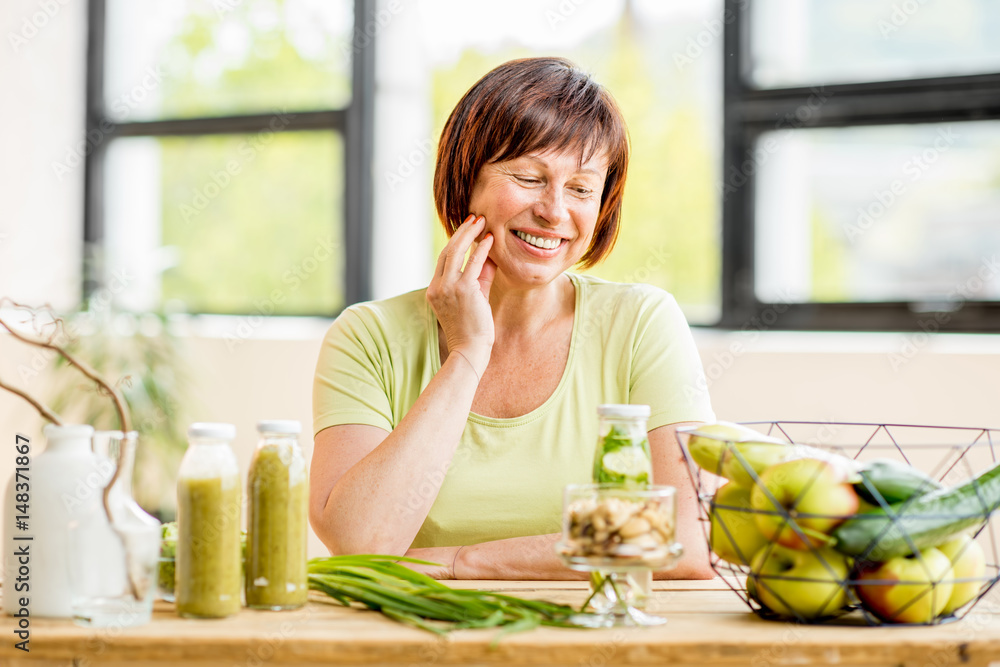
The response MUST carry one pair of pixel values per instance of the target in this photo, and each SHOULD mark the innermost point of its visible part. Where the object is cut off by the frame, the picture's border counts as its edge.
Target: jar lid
(289, 426)
(623, 411)
(220, 431)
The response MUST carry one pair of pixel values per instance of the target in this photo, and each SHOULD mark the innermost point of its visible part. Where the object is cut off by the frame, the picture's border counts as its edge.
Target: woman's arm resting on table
(669, 468)
(362, 479)
(530, 557)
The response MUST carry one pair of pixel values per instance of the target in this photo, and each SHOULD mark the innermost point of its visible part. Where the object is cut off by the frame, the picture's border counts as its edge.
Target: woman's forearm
(531, 557)
(379, 504)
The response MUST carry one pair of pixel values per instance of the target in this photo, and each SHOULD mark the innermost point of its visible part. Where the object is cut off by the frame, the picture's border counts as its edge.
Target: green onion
(415, 599)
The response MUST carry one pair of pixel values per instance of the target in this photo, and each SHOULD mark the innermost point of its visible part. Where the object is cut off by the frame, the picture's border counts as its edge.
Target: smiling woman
(448, 420)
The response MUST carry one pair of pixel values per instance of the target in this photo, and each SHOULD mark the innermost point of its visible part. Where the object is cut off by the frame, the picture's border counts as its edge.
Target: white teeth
(539, 242)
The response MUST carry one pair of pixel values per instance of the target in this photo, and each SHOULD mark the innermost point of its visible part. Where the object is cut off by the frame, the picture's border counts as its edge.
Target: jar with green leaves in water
(622, 458)
(208, 560)
(622, 455)
(277, 519)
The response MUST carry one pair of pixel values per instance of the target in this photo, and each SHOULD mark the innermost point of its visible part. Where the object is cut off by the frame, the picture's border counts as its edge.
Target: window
(230, 148)
(861, 181)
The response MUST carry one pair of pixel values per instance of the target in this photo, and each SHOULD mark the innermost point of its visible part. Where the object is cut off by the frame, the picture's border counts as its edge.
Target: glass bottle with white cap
(209, 553)
(277, 519)
(622, 455)
(622, 458)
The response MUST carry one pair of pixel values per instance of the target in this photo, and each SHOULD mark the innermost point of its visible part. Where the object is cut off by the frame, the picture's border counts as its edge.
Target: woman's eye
(527, 179)
(583, 192)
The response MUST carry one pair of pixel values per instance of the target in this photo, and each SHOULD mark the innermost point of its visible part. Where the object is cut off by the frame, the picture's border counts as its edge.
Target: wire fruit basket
(849, 523)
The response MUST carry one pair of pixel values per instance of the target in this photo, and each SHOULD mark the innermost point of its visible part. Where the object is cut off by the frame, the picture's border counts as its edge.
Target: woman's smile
(540, 243)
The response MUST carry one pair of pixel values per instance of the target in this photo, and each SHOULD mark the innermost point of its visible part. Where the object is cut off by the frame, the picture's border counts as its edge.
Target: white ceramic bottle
(67, 478)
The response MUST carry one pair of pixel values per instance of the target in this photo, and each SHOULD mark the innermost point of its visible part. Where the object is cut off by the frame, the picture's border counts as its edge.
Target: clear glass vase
(112, 565)
(620, 536)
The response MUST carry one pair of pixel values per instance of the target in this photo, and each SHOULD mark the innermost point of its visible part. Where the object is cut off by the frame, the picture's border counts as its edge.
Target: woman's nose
(551, 206)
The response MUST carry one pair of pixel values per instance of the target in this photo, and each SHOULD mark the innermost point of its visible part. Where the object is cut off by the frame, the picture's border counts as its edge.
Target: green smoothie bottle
(277, 519)
(208, 561)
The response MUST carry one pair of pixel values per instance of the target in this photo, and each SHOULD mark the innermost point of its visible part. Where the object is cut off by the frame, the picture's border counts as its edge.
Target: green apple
(734, 534)
(800, 584)
(907, 589)
(811, 495)
(968, 562)
(733, 450)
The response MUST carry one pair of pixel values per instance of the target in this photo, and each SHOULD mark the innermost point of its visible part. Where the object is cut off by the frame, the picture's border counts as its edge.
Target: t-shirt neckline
(508, 422)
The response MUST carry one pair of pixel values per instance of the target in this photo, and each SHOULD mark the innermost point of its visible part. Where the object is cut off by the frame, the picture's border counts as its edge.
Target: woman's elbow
(700, 571)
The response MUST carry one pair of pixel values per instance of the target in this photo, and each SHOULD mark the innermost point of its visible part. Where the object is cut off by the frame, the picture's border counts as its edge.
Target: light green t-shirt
(630, 344)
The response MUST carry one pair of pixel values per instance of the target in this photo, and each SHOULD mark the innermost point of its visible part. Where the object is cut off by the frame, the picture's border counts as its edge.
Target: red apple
(907, 589)
(812, 498)
(969, 562)
(734, 534)
(800, 584)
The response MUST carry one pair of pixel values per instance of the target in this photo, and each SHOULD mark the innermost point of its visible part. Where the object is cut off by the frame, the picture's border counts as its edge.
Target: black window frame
(749, 112)
(354, 123)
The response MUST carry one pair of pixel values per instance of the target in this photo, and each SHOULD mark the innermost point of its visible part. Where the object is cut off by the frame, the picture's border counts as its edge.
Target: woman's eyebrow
(581, 170)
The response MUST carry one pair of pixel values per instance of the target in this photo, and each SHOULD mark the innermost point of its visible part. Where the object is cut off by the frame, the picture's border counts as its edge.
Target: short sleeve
(350, 385)
(667, 373)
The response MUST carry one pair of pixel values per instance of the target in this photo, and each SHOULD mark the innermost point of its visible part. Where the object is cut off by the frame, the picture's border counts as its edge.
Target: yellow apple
(805, 585)
(969, 562)
(907, 589)
(801, 501)
(734, 534)
(733, 451)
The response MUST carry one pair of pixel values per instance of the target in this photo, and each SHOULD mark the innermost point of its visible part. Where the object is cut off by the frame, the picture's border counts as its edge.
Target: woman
(448, 420)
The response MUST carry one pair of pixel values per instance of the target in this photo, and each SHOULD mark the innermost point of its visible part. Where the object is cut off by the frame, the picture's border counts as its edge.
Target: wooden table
(708, 625)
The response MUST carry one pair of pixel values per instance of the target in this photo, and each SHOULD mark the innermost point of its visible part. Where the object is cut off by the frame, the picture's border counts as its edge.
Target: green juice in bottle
(208, 559)
(277, 519)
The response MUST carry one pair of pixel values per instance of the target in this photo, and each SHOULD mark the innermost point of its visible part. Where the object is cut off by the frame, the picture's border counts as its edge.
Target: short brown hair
(528, 105)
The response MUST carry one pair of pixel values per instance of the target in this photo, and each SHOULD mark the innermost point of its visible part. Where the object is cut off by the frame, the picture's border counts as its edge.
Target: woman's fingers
(474, 267)
(453, 255)
(439, 270)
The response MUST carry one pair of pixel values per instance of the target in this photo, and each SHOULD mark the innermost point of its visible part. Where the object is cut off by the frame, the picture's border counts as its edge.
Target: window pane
(228, 224)
(888, 213)
(804, 42)
(671, 98)
(169, 59)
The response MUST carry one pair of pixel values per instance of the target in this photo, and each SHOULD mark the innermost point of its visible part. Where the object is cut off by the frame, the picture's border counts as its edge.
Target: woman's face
(541, 209)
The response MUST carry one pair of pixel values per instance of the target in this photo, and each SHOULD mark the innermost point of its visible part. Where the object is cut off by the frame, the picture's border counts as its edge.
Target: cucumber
(920, 522)
(884, 481)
